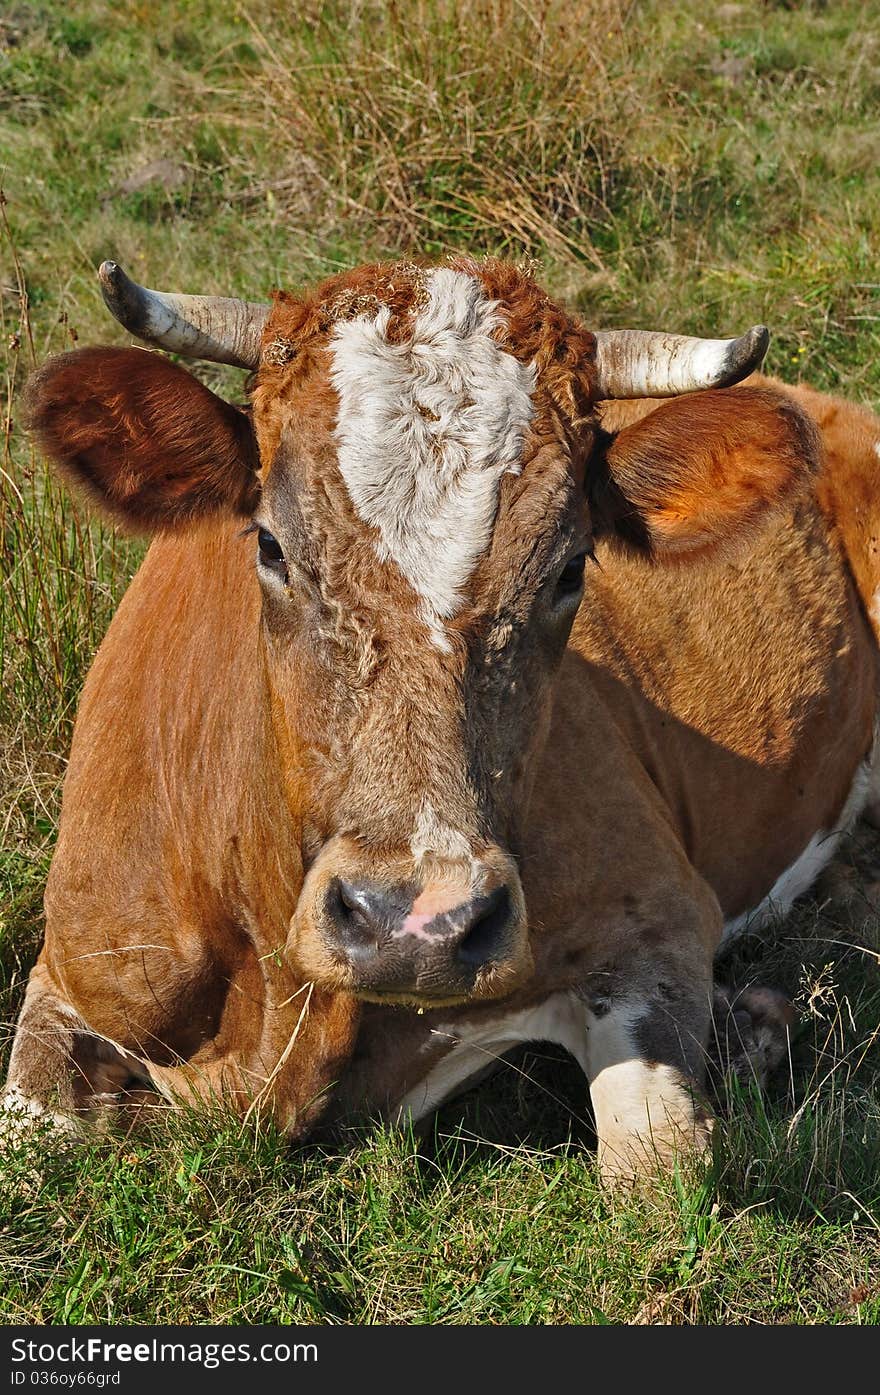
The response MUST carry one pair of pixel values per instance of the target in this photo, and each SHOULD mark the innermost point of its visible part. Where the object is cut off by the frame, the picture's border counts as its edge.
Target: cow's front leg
(60, 1072)
(192, 1029)
(645, 1061)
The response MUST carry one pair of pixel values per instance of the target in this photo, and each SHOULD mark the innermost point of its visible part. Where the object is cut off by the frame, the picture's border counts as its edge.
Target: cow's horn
(642, 363)
(198, 326)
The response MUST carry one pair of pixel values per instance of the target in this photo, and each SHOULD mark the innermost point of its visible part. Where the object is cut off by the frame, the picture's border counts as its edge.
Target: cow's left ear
(700, 470)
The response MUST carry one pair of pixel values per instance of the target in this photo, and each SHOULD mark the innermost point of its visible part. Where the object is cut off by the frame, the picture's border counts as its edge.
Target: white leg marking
(644, 1111)
(20, 1115)
(561, 1019)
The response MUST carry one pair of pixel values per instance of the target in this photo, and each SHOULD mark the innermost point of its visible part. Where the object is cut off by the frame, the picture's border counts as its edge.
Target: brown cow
(368, 791)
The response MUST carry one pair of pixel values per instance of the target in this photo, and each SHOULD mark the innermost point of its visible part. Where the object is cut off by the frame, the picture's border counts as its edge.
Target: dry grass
(495, 123)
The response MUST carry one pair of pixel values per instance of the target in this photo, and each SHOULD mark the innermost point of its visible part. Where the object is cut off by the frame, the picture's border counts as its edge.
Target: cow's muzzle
(447, 934)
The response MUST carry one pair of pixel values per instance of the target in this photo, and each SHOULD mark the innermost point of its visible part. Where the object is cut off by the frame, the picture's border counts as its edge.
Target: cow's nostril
(349, 910)
(347, 896)
(401, 938)
(485, 935)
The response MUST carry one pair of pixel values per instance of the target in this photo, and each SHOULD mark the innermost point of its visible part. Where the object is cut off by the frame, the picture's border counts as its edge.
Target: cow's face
(425, 481)
(422, 536)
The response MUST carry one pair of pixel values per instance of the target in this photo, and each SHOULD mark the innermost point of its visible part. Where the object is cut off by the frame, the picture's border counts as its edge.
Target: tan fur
(240, 748)
(175, 957)
(701, 470)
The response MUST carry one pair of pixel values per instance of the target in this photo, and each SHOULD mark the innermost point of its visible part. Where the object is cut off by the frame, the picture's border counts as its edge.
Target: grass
(668, 165)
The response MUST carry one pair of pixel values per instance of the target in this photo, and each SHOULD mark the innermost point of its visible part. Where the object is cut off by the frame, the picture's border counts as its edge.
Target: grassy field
(668, 164)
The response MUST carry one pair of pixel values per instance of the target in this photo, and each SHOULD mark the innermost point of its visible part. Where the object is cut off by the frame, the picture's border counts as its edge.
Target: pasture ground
(694, 167)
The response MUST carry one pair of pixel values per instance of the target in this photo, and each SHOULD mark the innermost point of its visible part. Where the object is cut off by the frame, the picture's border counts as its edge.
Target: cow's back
(849, 485)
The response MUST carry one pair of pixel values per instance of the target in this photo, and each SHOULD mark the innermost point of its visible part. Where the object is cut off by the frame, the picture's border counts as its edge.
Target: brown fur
(847, 476)
(632, 779)
(703, 469)
(142, 438)
(183, 886)
(848, 487)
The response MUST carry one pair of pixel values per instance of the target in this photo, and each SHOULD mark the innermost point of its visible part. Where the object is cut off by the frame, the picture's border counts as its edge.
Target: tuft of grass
(668, 165)
(470, 124)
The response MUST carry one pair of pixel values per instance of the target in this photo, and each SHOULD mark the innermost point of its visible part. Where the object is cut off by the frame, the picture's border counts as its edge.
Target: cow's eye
(270, 551)
(571, 578)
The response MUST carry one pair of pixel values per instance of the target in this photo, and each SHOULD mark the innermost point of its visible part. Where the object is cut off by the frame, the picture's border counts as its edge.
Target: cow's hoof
(751, 1029)
(642, 1163)
(677, 1136)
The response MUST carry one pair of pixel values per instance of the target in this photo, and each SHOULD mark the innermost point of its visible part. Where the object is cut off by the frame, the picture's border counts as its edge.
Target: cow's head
(425, 482)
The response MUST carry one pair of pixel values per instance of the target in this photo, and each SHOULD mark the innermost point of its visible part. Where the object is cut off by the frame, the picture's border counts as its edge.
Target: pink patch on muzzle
(430, 903)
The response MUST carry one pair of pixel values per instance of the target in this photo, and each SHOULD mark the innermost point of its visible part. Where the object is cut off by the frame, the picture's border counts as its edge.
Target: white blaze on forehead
(426, 429)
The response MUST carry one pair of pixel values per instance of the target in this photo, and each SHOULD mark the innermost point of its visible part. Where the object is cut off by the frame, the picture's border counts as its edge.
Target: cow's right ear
(148, 443)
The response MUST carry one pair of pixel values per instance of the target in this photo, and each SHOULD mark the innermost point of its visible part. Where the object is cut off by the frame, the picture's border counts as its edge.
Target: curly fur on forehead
(425, 429)
(438, 374)
(531, 326)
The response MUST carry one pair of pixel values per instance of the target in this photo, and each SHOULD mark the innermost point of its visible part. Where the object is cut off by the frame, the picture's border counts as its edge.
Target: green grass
(668, 166)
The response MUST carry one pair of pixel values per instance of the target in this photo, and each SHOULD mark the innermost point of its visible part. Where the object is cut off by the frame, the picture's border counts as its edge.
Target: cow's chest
(474, 1050)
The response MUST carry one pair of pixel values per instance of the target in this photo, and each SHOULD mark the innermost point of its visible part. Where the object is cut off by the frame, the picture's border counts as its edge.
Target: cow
(483, 676)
